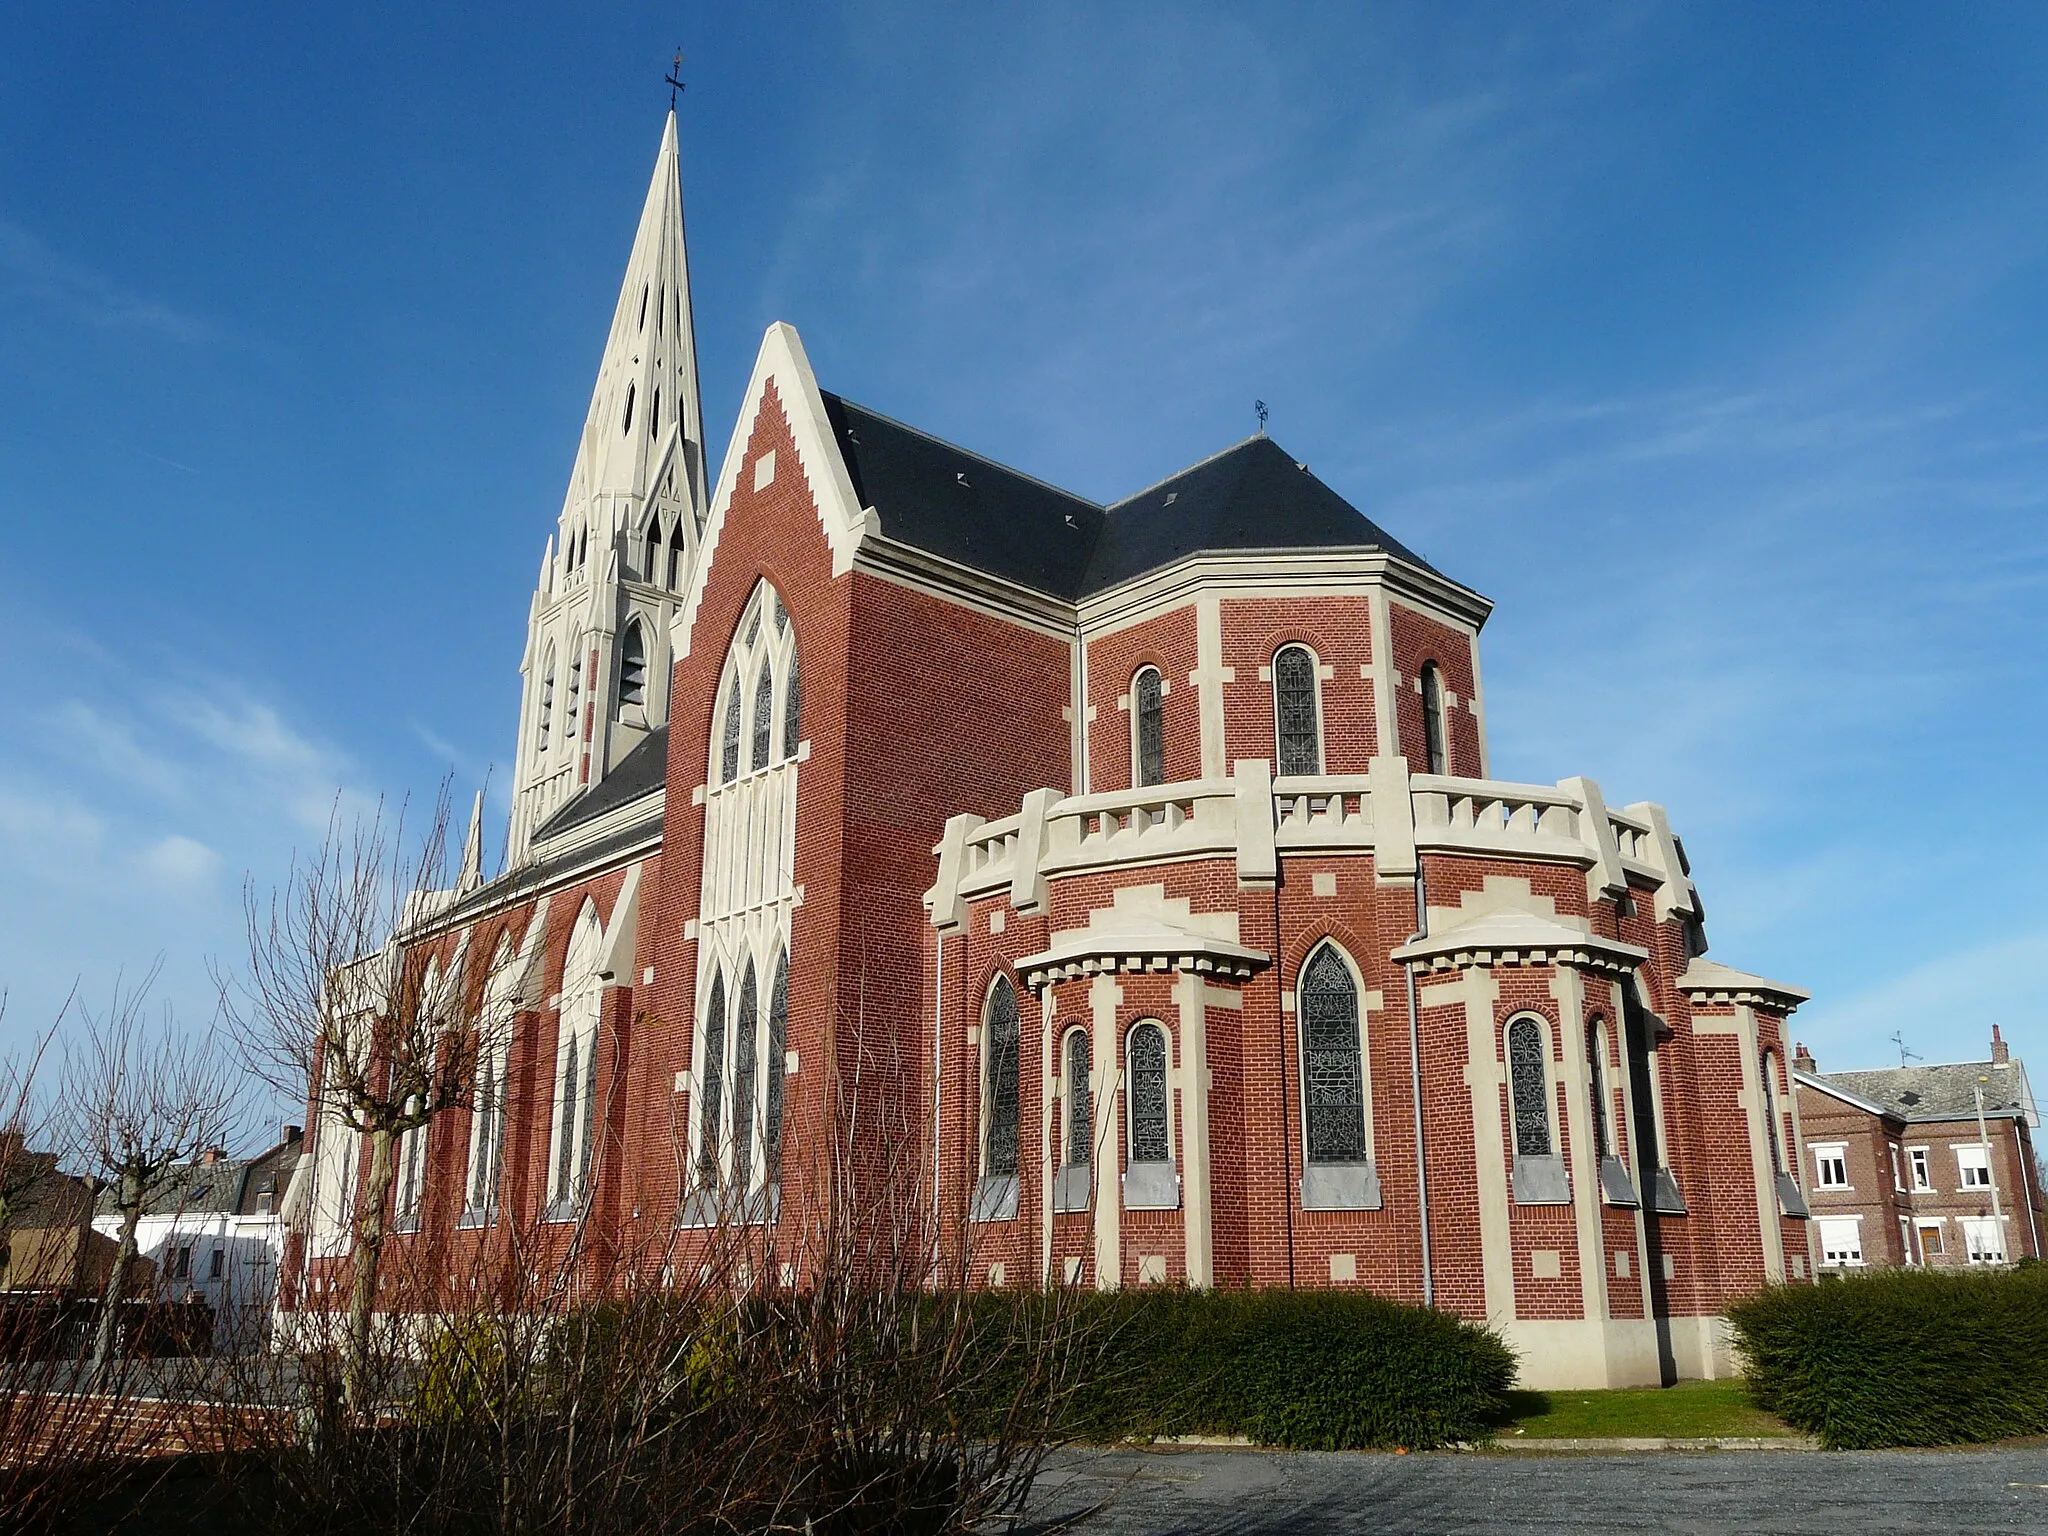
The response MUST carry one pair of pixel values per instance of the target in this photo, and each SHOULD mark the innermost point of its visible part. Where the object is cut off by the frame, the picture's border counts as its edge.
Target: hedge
(1903, 1357)
(1312, 1370)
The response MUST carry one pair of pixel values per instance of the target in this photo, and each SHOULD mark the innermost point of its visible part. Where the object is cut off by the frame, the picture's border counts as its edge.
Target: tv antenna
(1259, 407)
(675, 80)
(1899, 1039)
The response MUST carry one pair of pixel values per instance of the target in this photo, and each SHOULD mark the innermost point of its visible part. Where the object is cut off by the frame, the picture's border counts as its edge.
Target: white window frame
(1832, 1254)
(1977, 1227)
(1920, 1162)
(1831, 1155)
(1545, 1034)
(1972, 1157)
(581, 1008)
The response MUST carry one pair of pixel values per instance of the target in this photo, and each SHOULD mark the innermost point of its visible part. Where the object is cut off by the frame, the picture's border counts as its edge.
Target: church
(1143, 863)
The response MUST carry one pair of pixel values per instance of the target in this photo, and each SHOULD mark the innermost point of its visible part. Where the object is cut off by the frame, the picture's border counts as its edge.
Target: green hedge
(1904, 1357)
(1314, 1370)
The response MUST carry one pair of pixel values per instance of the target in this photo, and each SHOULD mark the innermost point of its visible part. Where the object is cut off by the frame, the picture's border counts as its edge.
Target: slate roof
(956, 504)
(222, 1187)
(641, 771)
(1941, 1091)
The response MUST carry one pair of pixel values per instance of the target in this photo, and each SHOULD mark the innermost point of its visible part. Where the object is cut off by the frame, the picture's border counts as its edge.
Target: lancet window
(1148, 727)
(1433, 718)
(1297, 722)
(632, 668)
(1080, 1148)
(1529, 1088)
(576, 1064)
(1332, 1059)
(1001, 1047)
(1145, 1066)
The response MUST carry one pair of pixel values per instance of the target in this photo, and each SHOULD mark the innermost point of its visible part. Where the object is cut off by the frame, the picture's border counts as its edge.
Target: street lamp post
(1984, 1140)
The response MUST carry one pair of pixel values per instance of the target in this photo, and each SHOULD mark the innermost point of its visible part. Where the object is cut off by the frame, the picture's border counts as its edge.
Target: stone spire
(627, 536)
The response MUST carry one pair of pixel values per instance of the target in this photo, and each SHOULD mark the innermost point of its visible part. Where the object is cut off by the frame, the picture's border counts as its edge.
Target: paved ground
(1153, 1493)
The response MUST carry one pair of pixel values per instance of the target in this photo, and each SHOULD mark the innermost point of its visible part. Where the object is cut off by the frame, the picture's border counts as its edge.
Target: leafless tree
(140, 1099)
(380, 1035)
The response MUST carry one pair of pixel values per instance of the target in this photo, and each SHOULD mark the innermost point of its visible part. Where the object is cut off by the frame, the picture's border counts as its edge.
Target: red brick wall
(1419, 639)
(1339, 631)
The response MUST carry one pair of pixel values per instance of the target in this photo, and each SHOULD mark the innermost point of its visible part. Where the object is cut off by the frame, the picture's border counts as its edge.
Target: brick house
(1901, 1169)
(1142, 861)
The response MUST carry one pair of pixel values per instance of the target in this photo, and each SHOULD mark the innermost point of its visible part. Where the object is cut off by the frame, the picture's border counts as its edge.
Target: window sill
(473, 1219)
(1073, 1189)
(995, 1198)
(1340, 1187)
(706, 1209)
(1616, 1186)
(1541, 1181)
(1152, 1187)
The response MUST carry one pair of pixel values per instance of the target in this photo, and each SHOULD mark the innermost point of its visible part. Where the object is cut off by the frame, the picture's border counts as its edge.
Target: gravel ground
(1155, 1492)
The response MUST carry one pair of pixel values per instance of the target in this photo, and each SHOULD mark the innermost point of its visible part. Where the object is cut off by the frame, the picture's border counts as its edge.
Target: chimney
(1802, 1059)
(293, 1133)
(2001, 1054)
(211, 1156)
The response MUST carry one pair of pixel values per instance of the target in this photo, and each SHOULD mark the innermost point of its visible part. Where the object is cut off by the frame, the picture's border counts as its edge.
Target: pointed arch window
(711, 1083)
(544, 717)
(632, 668)
(627, 425)
(1080, 1150)
(651, 566)
(1298, 728)
(576, 1065)
(1433, 718)
(1596, 1087)
(1529, 1088)
(792, 710)
(1332, 1059)
(1145, 1058)
(675, 555)
(744, 1046)
(483, 1154)
(643, 306)
(778, 1060)
(764, 721)
(729, 762)
(412, 1172)
(1148, 722)
(1001, 1049)
(565, 1151)
(572, 716)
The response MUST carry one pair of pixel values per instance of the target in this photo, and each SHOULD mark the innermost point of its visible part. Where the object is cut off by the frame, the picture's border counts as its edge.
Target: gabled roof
(1942, 1091)
(947, 501)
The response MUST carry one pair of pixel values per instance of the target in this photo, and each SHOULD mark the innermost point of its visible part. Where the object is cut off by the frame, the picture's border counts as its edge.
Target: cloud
(180, 861)
(1944, 1006)
(31, 271)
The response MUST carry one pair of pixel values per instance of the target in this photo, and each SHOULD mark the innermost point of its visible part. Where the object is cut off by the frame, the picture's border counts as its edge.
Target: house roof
(38, 1193)
(950, 502)
(1941, 1091)
(226, 1186)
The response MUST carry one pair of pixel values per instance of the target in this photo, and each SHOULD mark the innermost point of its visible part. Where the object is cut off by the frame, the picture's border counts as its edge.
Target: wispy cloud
(30, 271)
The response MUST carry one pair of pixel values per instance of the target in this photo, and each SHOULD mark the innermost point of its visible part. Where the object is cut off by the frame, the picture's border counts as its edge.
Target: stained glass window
(764, 711)
(743, 1048)
(588, 1139)
(792, 711)
(729, 767)
(781, 615)
(1300, 736)
(754, 629)
(711, 1090)
(632, 668)
(1147, 1061)
(1080, 1103)
(484, 1156)
(1529, 1085)
(1433, 718)
(565, 1148)
(1332, 1071)
(1001, 1048)
(778, 1054)
(1148, 706)
(1596, 1079)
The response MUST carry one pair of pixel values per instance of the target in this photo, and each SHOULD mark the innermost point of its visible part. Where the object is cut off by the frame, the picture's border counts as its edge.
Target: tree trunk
(369, 1249)
(117, 1282)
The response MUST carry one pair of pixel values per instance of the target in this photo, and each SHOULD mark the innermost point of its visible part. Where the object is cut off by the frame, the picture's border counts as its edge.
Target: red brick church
(1154, 847)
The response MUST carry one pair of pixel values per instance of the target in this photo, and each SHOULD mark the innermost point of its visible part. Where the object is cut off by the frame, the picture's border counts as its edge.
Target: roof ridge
(979, 458)
(1919, 1066)
(1189, 469)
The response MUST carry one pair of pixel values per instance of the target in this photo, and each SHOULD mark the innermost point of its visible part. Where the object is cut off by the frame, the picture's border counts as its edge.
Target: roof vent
(961, 477)
(1171, 498)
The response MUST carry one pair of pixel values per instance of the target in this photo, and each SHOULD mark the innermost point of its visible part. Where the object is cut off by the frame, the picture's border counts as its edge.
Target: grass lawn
(1690, 1410)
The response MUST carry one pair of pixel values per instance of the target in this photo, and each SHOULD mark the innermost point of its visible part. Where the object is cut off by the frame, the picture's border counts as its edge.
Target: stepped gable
(948, 501)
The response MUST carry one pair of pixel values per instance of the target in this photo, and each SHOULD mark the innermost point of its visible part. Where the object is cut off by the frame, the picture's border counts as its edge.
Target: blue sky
(1707, 341)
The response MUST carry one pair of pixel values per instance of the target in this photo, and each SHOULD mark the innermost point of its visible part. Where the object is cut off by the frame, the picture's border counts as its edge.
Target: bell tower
(595, 675)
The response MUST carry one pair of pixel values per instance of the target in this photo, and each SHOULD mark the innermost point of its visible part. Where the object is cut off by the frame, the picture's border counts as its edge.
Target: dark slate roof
(1939, 1092)
(641, 771)
(1253, 496)
(956, 504)
(222, 1187)
(947, 501)
(533, 879)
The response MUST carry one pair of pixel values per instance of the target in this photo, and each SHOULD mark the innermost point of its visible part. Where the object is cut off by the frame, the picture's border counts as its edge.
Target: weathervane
(675, 80)
(1899, 1039)
(1260, 407)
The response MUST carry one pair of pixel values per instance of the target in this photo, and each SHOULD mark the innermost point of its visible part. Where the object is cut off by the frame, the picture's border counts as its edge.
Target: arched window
(778, 1058)
(632, 668)
(1596, 1085)
(1145, 1063)
(483, 1145)
(565, 1151)
(792, 710)
(1148, 753)
(744, 1046)
(1298, 730)
(711, 1083)
(729, 764)
(1772, 1120)
(544, 717)
(1433, 718)
(1000, 1048)
(675, 554)
(576, 1061)
(764, 723)
(626, 425)
(652, 567)
(1529, 1088)
(572, 716)
(487, 1121)
(1080, 1103)
(1332, 1061)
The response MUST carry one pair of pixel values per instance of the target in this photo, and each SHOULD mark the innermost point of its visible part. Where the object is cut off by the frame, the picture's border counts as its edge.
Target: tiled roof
(1944, 1091)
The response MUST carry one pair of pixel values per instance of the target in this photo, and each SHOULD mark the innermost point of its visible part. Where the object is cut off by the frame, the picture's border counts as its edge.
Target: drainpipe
(1415, 1084)
(2019, 1152)
(938, 1067)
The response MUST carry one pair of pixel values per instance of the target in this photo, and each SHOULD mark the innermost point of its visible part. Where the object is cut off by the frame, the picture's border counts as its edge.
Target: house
(48, 1247)
(215, 1233)
(1138, 870)
(1922, 1164)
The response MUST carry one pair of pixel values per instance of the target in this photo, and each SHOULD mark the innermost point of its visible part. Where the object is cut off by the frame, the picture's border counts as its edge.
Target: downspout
(1415, 1087)
(1287, 1191)
(2019, 1150)
(938, 1064)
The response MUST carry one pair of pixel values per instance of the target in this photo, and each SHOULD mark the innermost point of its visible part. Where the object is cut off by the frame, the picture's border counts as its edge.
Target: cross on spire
(675, 80)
